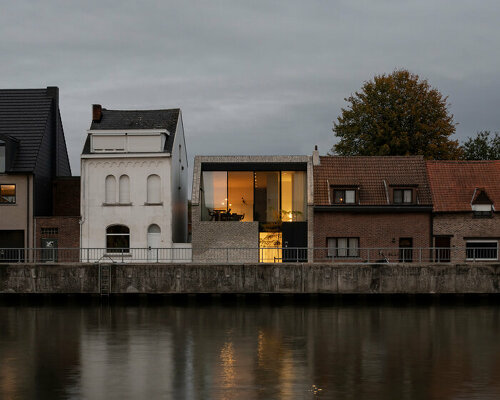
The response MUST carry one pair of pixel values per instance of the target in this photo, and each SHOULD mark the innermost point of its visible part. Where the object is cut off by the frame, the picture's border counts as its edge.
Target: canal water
(249, 348)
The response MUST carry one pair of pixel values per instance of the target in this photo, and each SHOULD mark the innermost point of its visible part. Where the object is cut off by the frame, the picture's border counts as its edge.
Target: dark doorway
(294, 241)
(405, 250)
(49, 250)
(442, 250)
(11, 245)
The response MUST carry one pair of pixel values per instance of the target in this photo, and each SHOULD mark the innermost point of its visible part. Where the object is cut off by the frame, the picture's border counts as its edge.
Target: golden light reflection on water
(227, 361)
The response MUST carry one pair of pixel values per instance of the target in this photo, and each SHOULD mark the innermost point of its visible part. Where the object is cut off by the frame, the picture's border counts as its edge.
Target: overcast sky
(251, 77)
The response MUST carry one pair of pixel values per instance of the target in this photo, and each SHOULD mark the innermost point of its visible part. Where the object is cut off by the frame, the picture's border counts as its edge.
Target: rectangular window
(293, 196)
(267, 196)
(7, 194)
(344, 196)
(403, 196)
(481, 249)
(343, 247)
(240, 195)
(2, 157)
(49, 231)
(214, 195)
(406, 250)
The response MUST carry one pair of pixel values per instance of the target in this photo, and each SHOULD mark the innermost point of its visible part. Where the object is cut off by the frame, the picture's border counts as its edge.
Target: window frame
(467, 241)
(118, 250)
(334, 190)
(15, 194)
(347, 249)
(403, 190)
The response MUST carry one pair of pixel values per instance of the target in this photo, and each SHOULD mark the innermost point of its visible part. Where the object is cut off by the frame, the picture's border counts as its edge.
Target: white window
(153, 189)
(481, 249)
(110, 190)
(343, 247)
(124, 185)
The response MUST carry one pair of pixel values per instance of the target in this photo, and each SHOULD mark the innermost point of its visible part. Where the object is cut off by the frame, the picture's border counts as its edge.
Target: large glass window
(240, 195)
(2, 156)
(8, 194)
(267, 196)
(117, 239)
(293, 196)
(214, 195)
(270, 247)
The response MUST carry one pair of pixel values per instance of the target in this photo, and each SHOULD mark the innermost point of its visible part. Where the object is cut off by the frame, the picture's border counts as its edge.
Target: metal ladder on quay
(104, 277)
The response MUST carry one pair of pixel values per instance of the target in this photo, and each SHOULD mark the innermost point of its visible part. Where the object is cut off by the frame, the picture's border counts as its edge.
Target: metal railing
(250, 255)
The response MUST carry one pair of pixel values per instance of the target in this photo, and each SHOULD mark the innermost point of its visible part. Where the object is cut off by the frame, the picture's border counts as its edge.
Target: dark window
(344, 196)
(403, 196)
(343, 247)
(2, 156)
(118, 239)
(482, 250)
(405, 250)
(50, 231)
(8, 194)
(483, 214)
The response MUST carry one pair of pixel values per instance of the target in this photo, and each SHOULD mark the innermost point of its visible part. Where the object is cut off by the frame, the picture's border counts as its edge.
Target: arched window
(117, 239)
(110, 189)
(124, 193)
(153, 228)
(154, 189)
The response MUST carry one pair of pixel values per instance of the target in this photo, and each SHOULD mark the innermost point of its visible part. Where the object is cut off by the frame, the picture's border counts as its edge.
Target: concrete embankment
(249, 278)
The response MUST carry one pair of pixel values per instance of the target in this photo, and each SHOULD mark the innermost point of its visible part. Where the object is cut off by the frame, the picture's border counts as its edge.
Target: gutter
(373, 209)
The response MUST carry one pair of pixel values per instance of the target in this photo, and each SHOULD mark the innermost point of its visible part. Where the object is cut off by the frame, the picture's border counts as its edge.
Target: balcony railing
(229, 255)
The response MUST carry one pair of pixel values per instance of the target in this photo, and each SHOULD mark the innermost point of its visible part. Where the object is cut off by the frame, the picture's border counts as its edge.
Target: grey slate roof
(24, 115)
(137, 119)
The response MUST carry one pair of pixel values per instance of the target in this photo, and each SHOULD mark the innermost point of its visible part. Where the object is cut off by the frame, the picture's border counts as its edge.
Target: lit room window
(403, 196)
(239, 196)
(214, 197)
(343, 247)
(8, 194)
(117, 239)
(344, 196)
(110, 190)
(293, 196)
(481, 249)
(267, 196)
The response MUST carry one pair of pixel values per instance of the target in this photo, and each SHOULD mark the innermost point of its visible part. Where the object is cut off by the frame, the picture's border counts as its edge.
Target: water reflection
(239, 349)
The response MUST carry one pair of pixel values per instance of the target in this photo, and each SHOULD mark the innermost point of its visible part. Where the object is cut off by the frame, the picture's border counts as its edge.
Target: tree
(482, 147)
(396, 114)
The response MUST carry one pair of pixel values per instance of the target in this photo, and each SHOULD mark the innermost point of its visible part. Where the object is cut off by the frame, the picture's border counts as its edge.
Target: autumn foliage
(396, 114)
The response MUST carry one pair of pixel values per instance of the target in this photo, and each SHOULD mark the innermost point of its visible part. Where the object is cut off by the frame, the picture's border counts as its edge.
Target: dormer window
(402, 196)
(344, 196)
(481, 204)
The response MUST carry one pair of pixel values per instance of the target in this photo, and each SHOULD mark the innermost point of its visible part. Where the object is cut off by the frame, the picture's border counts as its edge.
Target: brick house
(58, 236)
(465, 194)
(373, 203)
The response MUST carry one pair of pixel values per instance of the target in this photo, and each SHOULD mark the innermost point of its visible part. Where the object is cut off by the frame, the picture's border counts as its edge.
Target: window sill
(116, 204)
(153, 204)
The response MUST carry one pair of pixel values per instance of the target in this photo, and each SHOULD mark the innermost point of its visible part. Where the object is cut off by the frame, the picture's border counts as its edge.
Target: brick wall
(68, 235)
(66, 196)
(212, 240)
(463, 225)
(380, 230)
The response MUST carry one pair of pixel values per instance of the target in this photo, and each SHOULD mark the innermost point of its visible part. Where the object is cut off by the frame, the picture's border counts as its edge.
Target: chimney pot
(96, 112)
(315, 156)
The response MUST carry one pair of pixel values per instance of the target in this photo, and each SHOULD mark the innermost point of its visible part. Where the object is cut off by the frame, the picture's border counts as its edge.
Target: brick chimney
(96, 112)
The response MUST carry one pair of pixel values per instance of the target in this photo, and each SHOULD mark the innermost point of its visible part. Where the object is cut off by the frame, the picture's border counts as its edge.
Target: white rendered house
(134, 185)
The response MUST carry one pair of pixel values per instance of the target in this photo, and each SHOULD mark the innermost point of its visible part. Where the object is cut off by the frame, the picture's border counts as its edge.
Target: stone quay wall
(251, 278)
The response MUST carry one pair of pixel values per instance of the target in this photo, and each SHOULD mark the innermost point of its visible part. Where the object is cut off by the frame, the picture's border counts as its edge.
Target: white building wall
(97, 216)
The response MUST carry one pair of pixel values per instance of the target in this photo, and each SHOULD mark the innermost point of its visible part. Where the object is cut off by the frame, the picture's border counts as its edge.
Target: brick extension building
(465, 195)
(371, 202)
(61, 230)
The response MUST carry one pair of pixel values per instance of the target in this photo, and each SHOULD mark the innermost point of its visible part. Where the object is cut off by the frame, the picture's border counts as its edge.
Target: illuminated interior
(293, 196)
(240, 195)
(270, 244)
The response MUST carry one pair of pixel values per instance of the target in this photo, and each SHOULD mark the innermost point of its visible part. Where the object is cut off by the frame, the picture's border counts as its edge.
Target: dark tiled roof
(137, 119)
(24, 115)
(369, 173)
(453, 183)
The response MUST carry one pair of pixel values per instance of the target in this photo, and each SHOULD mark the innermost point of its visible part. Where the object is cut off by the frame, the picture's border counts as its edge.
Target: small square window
(7, 194)
(49, 231)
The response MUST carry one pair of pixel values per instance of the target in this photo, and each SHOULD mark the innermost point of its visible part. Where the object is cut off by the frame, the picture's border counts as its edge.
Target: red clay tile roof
(369, 173)
(453, 183)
